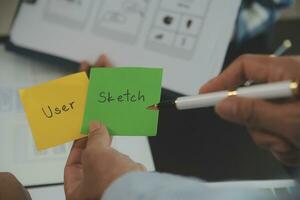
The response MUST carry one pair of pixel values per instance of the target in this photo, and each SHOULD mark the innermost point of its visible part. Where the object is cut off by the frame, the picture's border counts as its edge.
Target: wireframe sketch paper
(118, 97)
(188, 38)
(55, 109)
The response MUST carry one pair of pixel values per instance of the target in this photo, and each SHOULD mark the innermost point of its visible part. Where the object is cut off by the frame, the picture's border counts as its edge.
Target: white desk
(48, 193)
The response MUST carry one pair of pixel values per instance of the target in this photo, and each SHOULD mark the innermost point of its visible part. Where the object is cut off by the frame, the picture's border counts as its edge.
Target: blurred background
(211, 156)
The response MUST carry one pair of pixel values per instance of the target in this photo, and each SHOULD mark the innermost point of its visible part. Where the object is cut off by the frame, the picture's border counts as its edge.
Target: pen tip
(152, 107)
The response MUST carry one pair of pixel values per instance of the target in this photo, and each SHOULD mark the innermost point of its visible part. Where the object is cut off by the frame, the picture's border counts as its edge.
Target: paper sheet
(118, 97)
(188, 38)
(55, 109)
(17, 149)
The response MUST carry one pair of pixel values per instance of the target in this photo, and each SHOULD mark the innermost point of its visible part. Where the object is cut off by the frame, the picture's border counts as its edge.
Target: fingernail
(94, 125)
(227, 108)
(203, 87)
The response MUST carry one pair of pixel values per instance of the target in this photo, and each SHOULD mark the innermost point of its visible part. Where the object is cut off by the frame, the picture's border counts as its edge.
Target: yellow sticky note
(55, 109)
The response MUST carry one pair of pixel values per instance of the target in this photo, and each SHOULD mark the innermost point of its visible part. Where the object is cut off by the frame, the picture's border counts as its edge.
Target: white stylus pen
(276, 90)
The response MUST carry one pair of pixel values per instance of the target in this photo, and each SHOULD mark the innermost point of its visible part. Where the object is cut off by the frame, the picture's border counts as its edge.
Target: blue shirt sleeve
(162, 186)
(257, 16)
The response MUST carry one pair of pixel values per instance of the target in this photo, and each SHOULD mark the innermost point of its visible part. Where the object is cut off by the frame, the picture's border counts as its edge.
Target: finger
(291, 158)
(80, 143)
(280, 148)
(103, 61)
(84, 66)
(76, 151)
(98, 135)
(270, 141)
(253, 113)
(241, 69)
(257, 68)
(110, 138)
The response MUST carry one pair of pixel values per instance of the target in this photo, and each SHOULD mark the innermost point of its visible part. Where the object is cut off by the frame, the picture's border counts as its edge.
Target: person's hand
(274, 125)
(93, 165)
(102, 61)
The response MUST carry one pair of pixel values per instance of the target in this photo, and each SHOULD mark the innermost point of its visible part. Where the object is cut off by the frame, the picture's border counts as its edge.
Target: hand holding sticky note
(60, 110)
(118, 97)
(55, 109)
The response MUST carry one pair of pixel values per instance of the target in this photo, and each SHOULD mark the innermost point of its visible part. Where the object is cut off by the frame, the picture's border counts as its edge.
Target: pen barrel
(267, 91)
(264, 91)
(200, 101)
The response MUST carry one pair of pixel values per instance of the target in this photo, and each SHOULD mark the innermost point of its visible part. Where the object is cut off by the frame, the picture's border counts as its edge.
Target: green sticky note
(118, 97)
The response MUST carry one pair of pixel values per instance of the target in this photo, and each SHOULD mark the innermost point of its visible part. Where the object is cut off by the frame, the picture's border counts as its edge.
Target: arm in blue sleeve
(162, 186)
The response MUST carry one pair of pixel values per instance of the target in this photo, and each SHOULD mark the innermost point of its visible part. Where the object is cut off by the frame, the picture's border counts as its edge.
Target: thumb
(250, 112)
(98, 135)
(103, 61)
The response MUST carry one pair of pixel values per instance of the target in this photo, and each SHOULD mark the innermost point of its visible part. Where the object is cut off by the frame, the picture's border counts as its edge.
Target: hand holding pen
(271, 111)
(273, 125)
